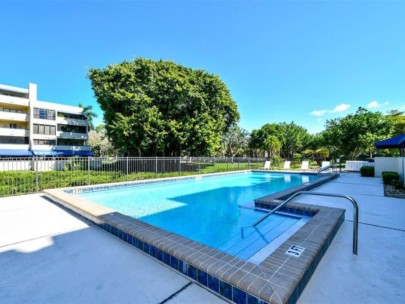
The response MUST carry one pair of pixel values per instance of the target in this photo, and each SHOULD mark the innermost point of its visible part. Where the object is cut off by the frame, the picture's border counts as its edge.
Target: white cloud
(319, 119)
(373, 104)
(340, 108)
(376, 104)
(318, 112)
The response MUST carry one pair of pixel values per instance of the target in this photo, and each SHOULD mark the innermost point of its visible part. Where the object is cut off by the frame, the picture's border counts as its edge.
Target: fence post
(179, 165)
(88, 170)
(127, 168)
(238, 163)
(248, 163)
(156, 161)
(36, 174)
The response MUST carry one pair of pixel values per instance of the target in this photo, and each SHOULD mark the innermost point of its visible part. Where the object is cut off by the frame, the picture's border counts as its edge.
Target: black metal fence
(31, 175)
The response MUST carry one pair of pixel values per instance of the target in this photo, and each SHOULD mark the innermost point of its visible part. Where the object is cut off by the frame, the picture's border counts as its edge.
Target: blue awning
(393, 142)
(62, 153)
(15, 153)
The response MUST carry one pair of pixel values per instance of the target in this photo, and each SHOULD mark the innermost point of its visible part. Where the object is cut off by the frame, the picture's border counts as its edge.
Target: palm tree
(90, 115)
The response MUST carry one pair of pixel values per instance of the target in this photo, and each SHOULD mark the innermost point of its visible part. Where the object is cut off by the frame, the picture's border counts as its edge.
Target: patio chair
(325, 163)
(305, 165)
(287, 165)
(267, 164)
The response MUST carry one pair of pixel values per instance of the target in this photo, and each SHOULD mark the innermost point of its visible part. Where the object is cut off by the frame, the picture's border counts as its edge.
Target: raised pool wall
(279, 278)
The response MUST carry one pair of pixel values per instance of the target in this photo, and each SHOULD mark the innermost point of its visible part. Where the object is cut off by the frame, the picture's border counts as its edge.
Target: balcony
(71, 135)
(72, 148)
(14, 146)
(10, 116)
(14, 132)
(71, 121)
(18, 101)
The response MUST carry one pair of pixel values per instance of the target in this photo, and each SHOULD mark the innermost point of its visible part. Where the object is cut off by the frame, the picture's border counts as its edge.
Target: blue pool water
(209, 210)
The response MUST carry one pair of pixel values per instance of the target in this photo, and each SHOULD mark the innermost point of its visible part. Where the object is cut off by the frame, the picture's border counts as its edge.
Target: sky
(283, 61)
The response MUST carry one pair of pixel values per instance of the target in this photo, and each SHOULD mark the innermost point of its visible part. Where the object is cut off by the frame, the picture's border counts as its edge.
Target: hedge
(367, 171)
(389, 176)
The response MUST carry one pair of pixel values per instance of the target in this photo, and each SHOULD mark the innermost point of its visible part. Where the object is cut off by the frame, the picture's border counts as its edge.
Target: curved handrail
(321, 169)
(352, 200)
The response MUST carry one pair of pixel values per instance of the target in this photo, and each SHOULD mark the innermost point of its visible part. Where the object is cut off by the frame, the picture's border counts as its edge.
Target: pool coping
(279, 278)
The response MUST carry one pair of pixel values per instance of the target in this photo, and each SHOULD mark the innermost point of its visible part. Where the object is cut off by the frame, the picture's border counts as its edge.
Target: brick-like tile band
(279, 278)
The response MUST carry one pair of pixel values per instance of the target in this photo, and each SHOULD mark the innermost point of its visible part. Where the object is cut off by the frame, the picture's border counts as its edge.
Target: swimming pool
(215, 211)
(279, 272)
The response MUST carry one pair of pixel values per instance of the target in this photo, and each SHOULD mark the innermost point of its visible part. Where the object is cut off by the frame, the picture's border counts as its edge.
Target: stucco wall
(395, 164)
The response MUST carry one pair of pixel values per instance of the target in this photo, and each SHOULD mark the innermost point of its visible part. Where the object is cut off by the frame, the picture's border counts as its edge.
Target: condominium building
(32, 127)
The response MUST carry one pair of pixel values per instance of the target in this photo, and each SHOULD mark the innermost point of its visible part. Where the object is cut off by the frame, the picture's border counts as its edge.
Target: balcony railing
(18, 101)
(13, 132)
(72, 135)
(71, 121)
(12, 116)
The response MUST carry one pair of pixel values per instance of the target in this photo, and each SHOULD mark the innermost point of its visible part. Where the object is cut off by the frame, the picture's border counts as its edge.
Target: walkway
(377, 274)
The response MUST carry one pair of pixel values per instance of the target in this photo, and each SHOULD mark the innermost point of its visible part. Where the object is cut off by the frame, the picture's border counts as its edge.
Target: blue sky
(301, 61)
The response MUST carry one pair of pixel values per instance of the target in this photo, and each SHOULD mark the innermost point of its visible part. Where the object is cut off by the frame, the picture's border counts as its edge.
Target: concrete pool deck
(48, 255)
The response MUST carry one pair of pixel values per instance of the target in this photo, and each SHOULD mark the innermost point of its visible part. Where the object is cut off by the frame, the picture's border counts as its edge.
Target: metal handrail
(352, 200)
(321, 169)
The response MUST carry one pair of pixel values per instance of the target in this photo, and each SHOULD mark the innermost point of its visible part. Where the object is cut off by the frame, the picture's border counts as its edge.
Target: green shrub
(367, 171)
(397, 183)
(388, 176)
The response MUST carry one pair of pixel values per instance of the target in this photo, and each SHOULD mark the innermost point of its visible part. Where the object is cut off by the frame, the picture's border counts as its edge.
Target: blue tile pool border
(279, 278)
(103, 187)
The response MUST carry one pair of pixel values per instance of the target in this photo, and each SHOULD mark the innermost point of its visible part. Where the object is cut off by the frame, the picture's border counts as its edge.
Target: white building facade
(30, 127)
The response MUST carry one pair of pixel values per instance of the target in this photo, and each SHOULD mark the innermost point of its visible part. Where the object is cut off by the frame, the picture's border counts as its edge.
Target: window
(73, 129)
(44, 129)
(44, 114)
(14, 140)
(44, 142)
(71, 142)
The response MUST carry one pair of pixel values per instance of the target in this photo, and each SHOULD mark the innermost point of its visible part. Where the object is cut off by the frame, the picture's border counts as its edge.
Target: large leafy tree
(291, 136)
(235, 141)
(293, 139)
(398, 119)
(162, 108)
(99, 143)
(356, 133)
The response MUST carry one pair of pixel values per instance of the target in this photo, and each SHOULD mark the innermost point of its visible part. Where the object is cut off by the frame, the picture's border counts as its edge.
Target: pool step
(250, 240)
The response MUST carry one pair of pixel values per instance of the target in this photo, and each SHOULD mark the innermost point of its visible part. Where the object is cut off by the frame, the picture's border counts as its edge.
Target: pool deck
(48, 255)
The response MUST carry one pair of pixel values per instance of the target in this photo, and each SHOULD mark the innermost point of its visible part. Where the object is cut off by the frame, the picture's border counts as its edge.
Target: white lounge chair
(325, 163)
(267, 164)
(305, 165)
(287, 165)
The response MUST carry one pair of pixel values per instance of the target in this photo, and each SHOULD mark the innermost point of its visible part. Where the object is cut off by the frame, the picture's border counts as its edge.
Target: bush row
(392, 178)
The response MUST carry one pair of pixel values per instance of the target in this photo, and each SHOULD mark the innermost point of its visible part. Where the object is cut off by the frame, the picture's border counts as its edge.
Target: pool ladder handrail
(321, 169)
(299, 193)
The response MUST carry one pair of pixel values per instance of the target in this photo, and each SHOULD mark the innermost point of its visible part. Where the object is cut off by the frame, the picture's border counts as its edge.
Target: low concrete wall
(355, 165)
(15, 165)
(395, 164)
